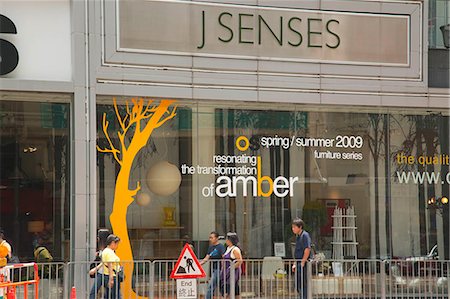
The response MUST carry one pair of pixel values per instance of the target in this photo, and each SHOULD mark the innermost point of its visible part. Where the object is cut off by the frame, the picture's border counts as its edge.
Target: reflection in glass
(34, 181)
(370, 160)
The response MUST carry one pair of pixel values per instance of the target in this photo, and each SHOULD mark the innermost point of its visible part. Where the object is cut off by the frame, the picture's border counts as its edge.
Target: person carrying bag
(113, 274)
(96, 268)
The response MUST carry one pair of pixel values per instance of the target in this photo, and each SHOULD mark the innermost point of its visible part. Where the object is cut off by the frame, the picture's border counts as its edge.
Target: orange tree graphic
(136, 127)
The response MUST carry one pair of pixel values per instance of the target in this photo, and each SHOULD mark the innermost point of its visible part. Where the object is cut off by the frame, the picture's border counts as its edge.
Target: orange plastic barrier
(10, 286)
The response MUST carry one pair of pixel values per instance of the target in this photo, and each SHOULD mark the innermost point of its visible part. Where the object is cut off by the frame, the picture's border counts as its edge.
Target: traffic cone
(73, 293)
(11, 293)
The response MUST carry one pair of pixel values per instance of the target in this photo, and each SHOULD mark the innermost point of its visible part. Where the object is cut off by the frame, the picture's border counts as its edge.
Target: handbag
(120, 275)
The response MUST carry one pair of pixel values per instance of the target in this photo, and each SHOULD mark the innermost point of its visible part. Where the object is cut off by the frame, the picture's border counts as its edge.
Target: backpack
(42, 255)
(97, 260)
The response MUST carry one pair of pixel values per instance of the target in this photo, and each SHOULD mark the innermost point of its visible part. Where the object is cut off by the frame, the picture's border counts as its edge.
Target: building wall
(100, 70)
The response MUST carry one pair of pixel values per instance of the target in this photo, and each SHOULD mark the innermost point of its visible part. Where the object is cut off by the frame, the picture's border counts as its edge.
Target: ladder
(344, 234)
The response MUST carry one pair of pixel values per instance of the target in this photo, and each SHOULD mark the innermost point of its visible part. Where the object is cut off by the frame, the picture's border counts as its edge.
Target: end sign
(187, 288)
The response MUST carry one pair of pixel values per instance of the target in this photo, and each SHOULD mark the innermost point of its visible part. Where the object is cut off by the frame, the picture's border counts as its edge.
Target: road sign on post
(186, 270)
(187, 265)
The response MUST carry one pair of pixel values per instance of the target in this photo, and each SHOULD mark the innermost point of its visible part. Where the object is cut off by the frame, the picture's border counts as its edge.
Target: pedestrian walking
(111, 268)
(96, 268)
(214, 254)
(302, 254)
(232, 262)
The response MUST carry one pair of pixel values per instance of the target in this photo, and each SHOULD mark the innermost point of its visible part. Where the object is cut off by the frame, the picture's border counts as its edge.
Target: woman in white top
(232, 262)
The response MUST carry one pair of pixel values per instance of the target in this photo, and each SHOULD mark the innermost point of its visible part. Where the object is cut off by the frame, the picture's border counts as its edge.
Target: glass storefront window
(439, 15)
(34, 173)
(251, 171)
(153, 220)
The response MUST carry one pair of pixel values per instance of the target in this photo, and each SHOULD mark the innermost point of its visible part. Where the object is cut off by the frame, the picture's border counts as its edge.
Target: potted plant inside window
(315, 216)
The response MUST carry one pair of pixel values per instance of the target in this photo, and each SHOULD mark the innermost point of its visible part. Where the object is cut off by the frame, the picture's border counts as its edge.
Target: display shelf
(156, 242)
(344, 233)
(343, 227)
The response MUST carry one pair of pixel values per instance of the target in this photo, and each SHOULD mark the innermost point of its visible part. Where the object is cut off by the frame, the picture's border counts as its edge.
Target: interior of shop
(34, 173)
(364, 168)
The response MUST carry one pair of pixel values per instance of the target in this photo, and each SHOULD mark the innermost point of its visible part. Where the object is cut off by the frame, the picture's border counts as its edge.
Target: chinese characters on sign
(186, 288)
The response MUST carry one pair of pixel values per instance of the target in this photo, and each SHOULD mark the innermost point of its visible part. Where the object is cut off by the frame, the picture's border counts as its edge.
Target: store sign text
(243, 172)
(227, 186)
(241, 28)
(268, 33)
(9, 57)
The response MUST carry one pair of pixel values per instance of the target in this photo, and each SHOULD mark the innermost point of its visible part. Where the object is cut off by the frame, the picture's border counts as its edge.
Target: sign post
(186, 271)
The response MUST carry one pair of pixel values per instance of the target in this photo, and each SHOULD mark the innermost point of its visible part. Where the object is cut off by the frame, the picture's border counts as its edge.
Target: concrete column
(83, 152)
(203, 212)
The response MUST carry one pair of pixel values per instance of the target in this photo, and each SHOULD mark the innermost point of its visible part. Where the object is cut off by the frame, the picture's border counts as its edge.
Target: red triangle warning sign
(187, 265)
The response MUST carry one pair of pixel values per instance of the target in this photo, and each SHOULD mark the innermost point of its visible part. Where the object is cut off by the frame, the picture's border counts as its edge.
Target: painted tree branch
(135, 129)
(169, 117)
(135, 191)
(133, 118)
(112, 148)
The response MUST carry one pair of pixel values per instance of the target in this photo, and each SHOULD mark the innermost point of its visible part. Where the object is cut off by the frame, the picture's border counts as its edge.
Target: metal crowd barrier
(257, 278)
(219, 283)
(51, 283)
(271, 277)
(19, 281)
(417, 278)
(97, 286)
(163, 286)
(347, 279)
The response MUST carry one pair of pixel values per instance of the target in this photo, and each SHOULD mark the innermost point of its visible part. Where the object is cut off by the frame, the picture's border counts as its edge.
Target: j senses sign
(246, 28)
(267, 33)
(9, 56)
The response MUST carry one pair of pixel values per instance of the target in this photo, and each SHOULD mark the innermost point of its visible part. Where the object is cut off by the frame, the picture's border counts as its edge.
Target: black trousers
(302, 281)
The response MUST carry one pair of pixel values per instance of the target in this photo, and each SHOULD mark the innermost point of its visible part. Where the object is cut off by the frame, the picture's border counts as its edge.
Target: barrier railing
(221, 280)
(417, 278)
(51, 280)
(255, 278)
(16, 280)
(347, 279)
(271, 277)
(95, 284)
